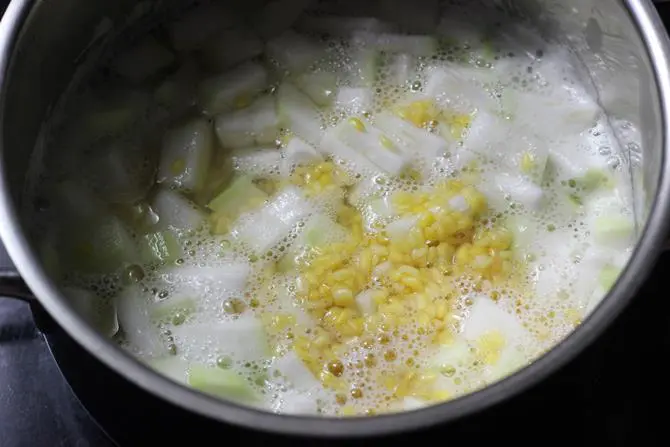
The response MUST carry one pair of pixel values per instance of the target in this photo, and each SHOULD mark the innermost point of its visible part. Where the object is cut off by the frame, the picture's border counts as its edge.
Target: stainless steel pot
(625, 52)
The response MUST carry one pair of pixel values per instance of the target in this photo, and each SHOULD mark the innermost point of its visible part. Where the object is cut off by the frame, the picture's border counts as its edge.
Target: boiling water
(514, 102)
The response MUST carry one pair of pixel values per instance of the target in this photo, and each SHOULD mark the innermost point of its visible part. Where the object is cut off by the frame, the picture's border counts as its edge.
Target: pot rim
(652, 31)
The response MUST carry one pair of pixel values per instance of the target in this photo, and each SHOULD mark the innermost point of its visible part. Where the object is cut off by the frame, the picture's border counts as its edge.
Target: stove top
(610, 394)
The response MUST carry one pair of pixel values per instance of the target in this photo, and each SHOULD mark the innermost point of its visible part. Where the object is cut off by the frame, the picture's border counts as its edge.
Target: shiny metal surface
(625, 51)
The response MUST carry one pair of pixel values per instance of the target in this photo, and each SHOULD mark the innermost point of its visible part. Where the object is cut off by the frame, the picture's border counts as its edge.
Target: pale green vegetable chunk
(173, 310)
(364, 64)
(186, 155)
(114, 113)
(161, 246)
(320, 86)
(614, 230)
(172, 367)
(120, 171)
(262, 163)
(409, 138)
(255, 125)
(234, 89)
(98, 312)
(176, 211)
(373, 144)
(266, 227)
(138, 327)
(243, 339)
(452, 356)
(103, 247)
(293, 51)
(298, 152)
(608, 276)
(240, 194)
(298, 113)
(318, 231)
(222, 383)
(177, 92)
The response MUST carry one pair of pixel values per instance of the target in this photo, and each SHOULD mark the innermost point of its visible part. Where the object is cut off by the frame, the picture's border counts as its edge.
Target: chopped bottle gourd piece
(294, 52)
(174, 310)
(298, 152)
(354, 100)
(110, 114)
(373, 144)
(409, 138)
(242, 339)
(608, 276)
(138, 327)
(222, 383)
(234, 89)
(321, 87)
(263, 229)
(318, 231)
(176, 211)
(161, 247)
(172, 367)
(614, 230)
(119, 172)
(257, 124)
(299, 113)
(186, 155)
(295, 372)
(230, 277)
(104, 247)
(240, 195)
(99, 312)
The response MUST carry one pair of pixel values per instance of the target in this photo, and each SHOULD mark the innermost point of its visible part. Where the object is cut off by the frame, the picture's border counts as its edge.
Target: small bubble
(234, 306)
(134, 273)
(224, 362)
(178, 318)
(336, 368)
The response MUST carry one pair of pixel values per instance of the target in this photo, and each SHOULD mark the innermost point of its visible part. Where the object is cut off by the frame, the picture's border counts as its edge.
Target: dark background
(614, 393)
